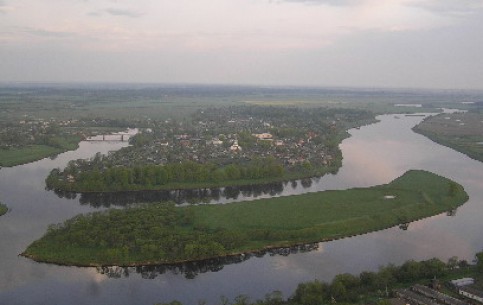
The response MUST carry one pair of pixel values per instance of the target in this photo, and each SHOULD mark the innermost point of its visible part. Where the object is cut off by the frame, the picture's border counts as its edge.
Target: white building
(235, 147)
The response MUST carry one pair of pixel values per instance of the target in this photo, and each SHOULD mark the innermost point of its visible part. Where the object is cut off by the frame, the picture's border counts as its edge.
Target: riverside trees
(147, 177)
(3, 209)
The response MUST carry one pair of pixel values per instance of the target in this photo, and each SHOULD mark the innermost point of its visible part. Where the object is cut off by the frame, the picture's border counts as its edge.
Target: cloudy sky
(355, 43)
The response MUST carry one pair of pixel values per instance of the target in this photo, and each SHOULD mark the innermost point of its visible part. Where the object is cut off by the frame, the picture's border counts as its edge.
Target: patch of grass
(17, 156)
(162, 233)
(22, 155)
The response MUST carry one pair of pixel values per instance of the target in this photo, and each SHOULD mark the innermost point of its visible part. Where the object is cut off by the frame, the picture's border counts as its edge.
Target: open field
(461, 131)
(16, 156)
(162, 233)
(141, 101)
(25, 154)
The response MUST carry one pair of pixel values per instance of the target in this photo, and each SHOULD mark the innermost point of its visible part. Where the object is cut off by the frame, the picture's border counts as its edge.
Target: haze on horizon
(351, 43)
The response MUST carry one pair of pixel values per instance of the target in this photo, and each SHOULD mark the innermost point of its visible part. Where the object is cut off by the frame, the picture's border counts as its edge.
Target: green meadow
(26, 154)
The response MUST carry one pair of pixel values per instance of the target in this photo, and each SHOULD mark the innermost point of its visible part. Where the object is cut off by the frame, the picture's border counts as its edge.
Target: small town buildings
(263, 136)
(471, 293)
(235, 147)
(216, 142)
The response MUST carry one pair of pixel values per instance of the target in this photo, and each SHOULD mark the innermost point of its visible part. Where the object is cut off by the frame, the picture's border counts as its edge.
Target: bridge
(109, 138)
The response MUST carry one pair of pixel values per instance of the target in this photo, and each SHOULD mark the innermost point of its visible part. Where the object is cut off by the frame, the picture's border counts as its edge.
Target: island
(165, 234)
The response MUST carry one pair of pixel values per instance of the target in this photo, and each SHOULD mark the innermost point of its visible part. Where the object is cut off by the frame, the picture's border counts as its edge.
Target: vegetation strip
(18, 156)
(163, 234)
(3, 209)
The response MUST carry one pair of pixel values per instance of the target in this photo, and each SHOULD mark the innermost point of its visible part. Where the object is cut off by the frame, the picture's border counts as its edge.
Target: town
(227, 142)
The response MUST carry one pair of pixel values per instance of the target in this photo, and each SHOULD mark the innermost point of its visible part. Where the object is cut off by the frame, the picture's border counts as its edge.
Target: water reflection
(191, 269)
(194, 196)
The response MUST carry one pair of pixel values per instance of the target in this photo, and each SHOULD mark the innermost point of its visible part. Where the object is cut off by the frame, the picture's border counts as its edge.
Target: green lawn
(162, 233)
(334, 213)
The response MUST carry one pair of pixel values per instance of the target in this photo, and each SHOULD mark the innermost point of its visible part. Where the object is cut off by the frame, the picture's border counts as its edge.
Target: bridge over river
(110, 138)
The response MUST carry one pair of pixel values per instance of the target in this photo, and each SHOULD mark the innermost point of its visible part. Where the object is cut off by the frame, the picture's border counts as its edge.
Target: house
(278, 143)
(263, 136)
(235, 147)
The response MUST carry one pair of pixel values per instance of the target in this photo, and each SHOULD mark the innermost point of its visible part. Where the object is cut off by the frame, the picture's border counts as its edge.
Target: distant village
(296, 138)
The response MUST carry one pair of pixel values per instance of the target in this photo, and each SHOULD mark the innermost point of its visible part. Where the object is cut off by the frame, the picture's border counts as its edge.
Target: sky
(345, 43)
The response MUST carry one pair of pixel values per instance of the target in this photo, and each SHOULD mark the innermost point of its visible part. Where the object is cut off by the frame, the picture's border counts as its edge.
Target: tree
(312, 293)
(410, 270)
(479, 264)
(452, 262)
(338, 291)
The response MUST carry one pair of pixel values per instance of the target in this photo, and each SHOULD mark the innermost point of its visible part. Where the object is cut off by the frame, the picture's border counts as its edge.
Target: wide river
(375, 154)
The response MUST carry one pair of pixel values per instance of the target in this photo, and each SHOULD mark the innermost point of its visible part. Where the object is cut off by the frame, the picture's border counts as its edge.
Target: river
(374, 154)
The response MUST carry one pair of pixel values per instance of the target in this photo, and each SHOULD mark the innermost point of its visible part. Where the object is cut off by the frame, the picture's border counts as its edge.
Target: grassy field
(3, 209)
(461, 131)
(332, 214)
(162, 233)
(16, 156)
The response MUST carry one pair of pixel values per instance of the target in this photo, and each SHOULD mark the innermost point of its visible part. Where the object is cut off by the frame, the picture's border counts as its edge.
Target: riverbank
(176, 186)
(376, 288)
(462, 132)
(27, 154)
(3, 209)
(163, 234)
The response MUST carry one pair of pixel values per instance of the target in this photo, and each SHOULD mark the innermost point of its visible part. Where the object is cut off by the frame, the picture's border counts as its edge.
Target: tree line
(154, 176)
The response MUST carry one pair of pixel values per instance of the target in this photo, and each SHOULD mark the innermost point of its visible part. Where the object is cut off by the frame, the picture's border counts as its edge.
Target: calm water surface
(374, 154)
